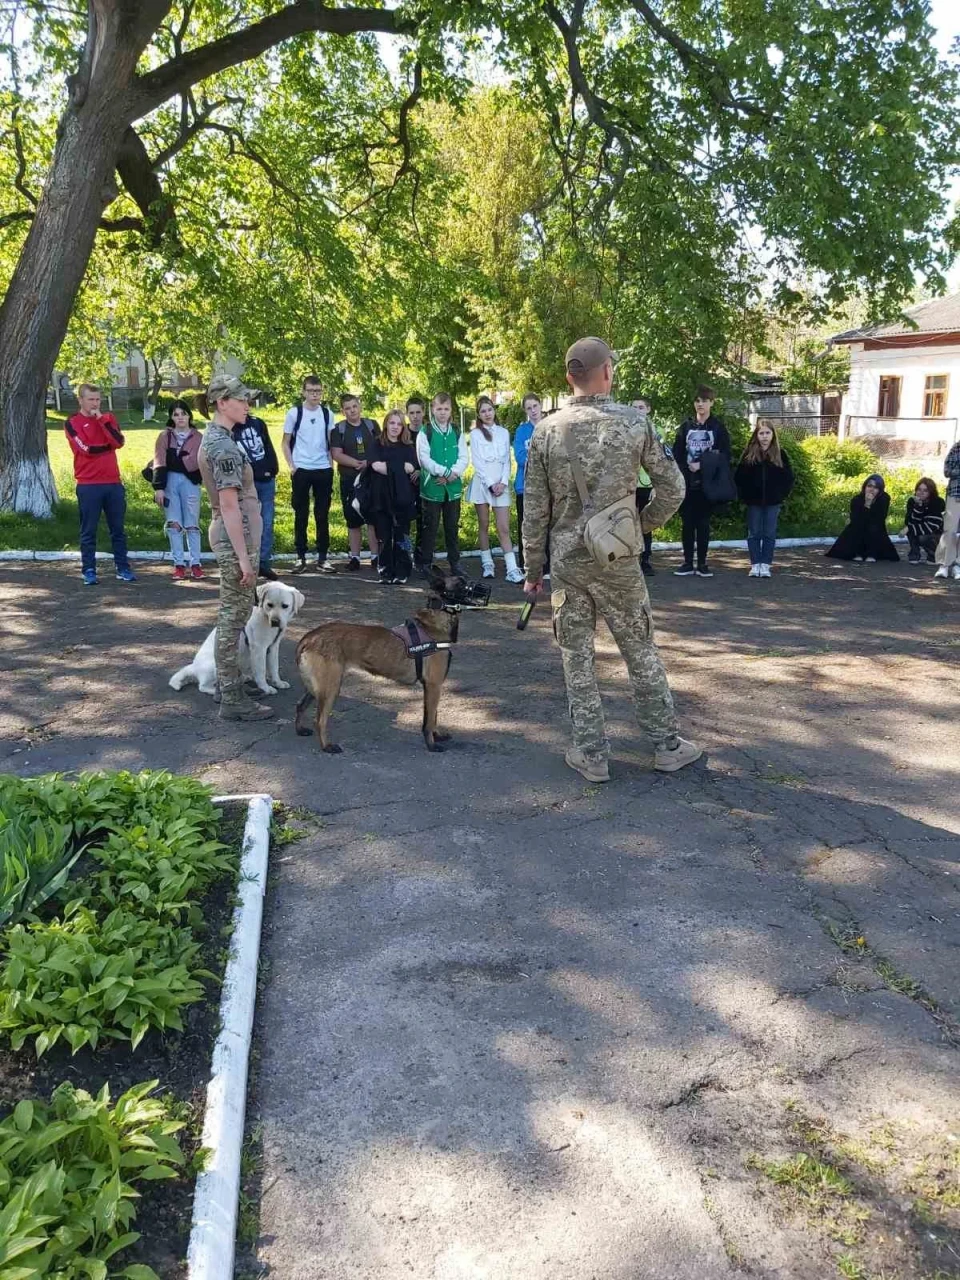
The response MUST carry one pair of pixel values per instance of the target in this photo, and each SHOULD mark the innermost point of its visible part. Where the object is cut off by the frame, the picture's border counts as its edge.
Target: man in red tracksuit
(95, 438)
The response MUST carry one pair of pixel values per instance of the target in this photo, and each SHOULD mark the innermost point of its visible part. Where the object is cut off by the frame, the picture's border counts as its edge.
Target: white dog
(259, 644)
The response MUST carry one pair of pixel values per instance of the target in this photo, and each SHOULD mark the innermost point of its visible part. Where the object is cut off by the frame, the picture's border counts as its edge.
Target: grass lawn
(144, 519)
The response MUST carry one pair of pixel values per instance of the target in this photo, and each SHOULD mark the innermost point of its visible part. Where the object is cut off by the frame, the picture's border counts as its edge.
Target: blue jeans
(267, 493)
(182, 510)
(762, 533)
(111, 499)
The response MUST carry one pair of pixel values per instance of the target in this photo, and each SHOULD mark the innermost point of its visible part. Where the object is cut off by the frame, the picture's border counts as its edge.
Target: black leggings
(393, 560)
(643, 497)
(695, 517)
(519, 546)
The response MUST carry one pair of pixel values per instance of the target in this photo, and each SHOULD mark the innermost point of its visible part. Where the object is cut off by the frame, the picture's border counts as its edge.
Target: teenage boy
(442, 459)
(95, 438)
(696, 436)
(416, 412)
(645, 490)
(533, 410)
(350, 447)
(253, 437)
(306, 447)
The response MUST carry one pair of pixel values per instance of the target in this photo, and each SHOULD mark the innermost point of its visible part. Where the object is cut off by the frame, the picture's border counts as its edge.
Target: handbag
(612, 534)
(717, 477)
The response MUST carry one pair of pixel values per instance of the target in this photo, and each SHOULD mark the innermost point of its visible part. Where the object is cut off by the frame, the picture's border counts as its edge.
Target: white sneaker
(516, 575)
(486, 561)
(871, 559)
(942, 572)
(764, 571)
(754, 571)
(955, 573)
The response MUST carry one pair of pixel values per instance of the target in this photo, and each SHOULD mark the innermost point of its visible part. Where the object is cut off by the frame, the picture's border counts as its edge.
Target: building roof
(939, 315)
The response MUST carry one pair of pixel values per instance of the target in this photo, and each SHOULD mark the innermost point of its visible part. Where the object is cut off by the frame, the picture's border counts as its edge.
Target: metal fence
(886, 437)
(798, 426)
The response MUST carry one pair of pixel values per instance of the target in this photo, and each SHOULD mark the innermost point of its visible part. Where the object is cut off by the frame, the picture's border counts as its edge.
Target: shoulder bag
(612, 534)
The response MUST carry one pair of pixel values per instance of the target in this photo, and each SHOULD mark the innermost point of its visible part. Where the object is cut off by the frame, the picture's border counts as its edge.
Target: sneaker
(871, 560)
(516, 575)
(704, 572)
(267, 573)
(592, 770)
(754, 571)
(955, 573)
(197, 572)
(914, 557)
(90, 577)
(683, 753)
(685, 571)
(179, 572)
(126, 575)
(546, 575)
(300, 566)
(245, 710)
(353, 564)
(765, 571)
(931, 558)
(647, 569)
(327, 566)
(375, 563)
(858, 559)
(488, 571)
(399, 582)
(942, 572)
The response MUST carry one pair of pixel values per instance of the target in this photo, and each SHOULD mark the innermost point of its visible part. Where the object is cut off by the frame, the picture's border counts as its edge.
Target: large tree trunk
(38, 303)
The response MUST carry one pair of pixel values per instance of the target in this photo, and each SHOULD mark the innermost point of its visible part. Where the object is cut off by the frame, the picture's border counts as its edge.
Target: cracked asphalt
(516, 1026)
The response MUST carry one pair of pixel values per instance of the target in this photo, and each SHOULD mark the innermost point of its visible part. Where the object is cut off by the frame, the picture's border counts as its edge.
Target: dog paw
(435, 747)
(266, 689)
(441, 737)
(304, 733)
(332, 749)
(283, 684)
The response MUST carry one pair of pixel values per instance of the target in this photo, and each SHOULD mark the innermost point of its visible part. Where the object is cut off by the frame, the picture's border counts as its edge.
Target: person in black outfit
(923, 524)
(644, 494)
(866, 537)
(392, 498)
(416, 412)
(253, 437)
(350, 446)
(696, 435)
(764, 478)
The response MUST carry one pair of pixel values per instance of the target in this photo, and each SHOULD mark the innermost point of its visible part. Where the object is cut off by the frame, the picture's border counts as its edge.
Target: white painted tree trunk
(27, 487)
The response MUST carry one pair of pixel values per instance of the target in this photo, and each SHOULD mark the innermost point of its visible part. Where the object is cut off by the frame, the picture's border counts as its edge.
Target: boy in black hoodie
(254, 439)
(696, 435)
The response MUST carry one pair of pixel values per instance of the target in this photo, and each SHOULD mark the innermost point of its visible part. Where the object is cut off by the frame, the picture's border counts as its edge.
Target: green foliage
(35, 860)
(122, 956)
(833, 457)
(68, 1175)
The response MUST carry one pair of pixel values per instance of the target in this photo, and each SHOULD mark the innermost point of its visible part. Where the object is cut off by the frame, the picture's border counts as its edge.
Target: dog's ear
(299, 599)
(434, 602)
(264, 586)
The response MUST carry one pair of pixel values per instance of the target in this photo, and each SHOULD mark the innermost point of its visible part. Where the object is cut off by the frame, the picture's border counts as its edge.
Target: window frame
(929, 392)
(883, 393)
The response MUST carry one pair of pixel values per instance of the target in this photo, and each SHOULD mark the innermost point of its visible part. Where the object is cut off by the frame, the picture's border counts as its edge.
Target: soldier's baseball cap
(588, 354)
(226, 387)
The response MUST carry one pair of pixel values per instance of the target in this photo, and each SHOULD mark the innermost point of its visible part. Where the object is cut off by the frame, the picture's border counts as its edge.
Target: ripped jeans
(182, 515)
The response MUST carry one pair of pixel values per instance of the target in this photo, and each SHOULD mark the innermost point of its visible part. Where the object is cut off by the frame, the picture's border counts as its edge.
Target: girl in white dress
(490, 486)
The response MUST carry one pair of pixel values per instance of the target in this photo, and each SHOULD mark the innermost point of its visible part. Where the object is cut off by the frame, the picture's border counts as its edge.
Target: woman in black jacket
(696, 436)
(764, 478)
(392, 496)
(866, 537)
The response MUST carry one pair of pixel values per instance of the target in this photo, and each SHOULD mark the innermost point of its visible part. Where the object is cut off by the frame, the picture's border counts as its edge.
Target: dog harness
(418, 644)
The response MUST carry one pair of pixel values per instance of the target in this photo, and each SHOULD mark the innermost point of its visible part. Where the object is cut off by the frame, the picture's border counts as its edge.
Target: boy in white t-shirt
(306, 447)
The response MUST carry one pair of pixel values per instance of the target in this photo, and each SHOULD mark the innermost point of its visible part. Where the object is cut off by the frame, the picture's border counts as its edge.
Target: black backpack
(328, 420)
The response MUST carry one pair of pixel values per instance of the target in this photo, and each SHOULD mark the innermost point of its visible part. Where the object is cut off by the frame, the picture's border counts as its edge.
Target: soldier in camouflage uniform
(613, 442)
(234, 538)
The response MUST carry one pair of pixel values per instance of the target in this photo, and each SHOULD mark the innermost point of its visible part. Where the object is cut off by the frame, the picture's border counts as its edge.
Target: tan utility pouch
(611, 534)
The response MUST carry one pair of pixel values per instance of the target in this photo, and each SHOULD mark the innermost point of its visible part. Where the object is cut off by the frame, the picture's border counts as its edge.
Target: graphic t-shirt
(699, 440)
(251, 442)
(311, 449)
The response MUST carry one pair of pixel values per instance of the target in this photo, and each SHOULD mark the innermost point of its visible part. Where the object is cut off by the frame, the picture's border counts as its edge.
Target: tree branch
(137, 174)
(177, 75)
(189, 131)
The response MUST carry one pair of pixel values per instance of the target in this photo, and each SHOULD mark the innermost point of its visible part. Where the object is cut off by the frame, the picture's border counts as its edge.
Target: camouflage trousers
(236, 605)
(619, 596)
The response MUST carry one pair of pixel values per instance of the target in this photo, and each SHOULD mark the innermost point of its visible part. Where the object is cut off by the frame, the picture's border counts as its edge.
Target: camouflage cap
(588, 354)
(226, 387)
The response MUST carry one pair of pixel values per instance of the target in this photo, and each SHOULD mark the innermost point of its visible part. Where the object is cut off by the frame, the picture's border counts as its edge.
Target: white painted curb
(164, 557)
(213, 1232)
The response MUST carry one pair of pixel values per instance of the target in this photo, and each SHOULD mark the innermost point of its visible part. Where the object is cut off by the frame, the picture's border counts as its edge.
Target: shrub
(833, 457)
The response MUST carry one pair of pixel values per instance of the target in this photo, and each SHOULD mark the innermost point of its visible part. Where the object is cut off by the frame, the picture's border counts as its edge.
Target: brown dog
(324, 654)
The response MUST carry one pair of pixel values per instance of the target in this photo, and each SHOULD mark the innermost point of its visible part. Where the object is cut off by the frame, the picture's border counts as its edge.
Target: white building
(904, 392)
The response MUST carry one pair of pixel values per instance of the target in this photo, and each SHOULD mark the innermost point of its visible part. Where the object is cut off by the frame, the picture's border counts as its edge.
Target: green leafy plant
(35, 860)
(67, 1181)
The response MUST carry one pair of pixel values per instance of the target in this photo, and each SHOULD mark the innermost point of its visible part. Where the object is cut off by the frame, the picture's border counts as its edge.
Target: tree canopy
(257, 175)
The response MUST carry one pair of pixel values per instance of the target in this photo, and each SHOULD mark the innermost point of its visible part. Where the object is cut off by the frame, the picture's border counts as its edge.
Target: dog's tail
(184, 676)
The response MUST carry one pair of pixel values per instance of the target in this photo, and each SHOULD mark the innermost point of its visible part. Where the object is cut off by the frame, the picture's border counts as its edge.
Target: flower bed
(115, 915)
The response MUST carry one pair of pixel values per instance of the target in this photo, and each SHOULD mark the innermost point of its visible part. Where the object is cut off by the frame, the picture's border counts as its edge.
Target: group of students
(407, 474)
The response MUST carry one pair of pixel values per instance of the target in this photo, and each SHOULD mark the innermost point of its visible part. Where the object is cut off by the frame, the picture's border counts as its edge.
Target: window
(935, 395)
(889, 406)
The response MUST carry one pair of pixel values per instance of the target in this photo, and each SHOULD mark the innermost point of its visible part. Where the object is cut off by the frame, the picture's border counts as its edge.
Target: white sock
(510, 559)
(486, 557)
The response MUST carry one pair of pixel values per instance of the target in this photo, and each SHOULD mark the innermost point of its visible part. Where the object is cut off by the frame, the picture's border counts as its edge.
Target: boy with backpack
(306, 447)
(350, 445)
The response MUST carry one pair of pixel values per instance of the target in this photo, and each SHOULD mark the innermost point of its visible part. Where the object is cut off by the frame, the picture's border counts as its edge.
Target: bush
(832, 457)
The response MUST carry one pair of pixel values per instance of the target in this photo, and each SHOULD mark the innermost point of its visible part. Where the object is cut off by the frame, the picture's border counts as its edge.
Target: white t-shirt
(311, 449)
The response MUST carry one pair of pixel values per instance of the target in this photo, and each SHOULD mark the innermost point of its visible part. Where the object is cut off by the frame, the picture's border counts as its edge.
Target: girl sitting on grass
(865, 538)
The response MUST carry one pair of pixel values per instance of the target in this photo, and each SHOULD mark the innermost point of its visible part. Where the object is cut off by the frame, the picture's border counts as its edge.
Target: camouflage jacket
(613, 442)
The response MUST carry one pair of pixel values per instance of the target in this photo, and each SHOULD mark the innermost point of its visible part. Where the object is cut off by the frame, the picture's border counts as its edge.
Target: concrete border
(164, 557)
(213, 1231)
